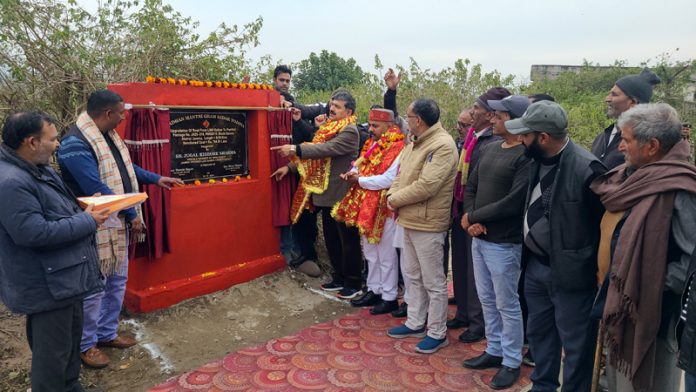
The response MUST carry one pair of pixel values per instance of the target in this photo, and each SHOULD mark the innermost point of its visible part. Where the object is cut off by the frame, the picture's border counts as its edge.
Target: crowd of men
(550, 243)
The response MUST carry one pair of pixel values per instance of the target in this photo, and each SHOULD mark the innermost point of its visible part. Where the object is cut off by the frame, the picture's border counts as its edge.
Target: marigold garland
(208, 83)
(364, 208)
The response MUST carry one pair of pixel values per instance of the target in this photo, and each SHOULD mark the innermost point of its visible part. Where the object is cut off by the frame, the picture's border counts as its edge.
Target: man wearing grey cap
(494, 207)
(626, 93)
(561, 234)
(469, 312)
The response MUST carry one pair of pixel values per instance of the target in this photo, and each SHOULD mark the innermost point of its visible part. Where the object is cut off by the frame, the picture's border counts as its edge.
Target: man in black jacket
(628, 92)
(48, 255)
(561, 235)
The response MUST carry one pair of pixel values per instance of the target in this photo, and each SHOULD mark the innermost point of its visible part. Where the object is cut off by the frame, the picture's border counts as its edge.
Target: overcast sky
(507, 35)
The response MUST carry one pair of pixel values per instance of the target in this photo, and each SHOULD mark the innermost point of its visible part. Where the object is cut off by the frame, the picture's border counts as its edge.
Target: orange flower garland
(207, 83)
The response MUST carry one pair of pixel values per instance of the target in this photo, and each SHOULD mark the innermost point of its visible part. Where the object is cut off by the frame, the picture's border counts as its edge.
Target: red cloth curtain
(147, 136)
(280, 130)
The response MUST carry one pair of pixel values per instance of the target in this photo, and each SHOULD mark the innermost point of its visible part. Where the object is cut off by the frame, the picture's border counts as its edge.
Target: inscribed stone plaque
(208, 144)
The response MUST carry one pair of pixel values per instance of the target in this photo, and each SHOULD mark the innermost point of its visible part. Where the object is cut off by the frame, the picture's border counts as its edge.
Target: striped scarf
(111, 242)
(463, 168)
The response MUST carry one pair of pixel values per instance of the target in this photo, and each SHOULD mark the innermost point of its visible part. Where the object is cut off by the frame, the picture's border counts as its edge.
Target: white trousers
(382, 271)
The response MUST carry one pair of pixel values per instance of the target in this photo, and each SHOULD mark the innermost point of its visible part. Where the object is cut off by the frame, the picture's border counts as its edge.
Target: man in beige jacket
(422, 196)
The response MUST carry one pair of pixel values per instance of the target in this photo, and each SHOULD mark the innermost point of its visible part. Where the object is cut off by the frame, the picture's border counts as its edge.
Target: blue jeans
(497, 274)
(101, 310)
(288, 246)
(689, 382)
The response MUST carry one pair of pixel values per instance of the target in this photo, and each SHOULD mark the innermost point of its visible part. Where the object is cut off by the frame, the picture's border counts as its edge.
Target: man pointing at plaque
(320, 164)
(94, 159)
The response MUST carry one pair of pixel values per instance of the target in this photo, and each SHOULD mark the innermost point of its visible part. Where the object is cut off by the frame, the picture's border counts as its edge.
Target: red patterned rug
(352, 353)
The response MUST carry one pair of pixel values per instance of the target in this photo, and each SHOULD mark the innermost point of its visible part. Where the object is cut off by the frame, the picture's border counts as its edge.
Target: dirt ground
(187, 335)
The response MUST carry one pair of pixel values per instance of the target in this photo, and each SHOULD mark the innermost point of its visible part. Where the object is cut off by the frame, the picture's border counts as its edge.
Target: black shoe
(401, 312)
(456, 323)
(332, 286)
(505, 377)
(470, 337)
(369, 299)
(385, 307)
(484, 361)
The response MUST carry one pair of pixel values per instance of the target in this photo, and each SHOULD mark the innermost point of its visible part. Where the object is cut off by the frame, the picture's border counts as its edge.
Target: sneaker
(429, 345)
(332, 286)
(402, 331)
(348, 293)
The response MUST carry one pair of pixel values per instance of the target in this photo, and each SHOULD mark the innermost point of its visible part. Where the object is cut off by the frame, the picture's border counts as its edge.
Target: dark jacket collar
(9, 155)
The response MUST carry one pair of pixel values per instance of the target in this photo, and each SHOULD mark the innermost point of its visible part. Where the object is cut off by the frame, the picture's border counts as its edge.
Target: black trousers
(343, 246)
(305, 234)
(559, 320)
(468, 304)
(54, 338)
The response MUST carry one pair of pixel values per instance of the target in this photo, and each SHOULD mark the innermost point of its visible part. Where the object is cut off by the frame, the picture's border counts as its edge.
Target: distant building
(551, 71)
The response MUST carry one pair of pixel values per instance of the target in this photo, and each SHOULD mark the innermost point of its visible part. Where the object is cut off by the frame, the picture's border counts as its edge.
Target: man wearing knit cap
(494, 206)
(365, 207)
(468, 305)
(628, 92)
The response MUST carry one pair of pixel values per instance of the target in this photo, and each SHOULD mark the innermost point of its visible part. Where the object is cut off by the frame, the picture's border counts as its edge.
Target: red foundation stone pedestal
(221, 234)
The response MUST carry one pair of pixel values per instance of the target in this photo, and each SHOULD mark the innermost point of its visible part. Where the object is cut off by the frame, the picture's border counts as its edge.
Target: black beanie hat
(493, 94)
(639, 87)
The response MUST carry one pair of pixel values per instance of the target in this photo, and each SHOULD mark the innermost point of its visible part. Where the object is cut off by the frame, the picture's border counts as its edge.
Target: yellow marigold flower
(171, 80)
(218, 84)
(225, 84)
(150, 79)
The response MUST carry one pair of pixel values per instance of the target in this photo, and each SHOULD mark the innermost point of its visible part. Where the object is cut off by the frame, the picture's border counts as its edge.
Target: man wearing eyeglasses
(421, 195)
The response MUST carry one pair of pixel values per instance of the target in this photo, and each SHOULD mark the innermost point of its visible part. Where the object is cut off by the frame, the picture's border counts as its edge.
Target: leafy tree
(326, 72)
(454, 88)
(53, 54)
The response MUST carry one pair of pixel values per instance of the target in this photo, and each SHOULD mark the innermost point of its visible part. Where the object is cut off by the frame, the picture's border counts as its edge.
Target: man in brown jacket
(422, 196)
(330, 153)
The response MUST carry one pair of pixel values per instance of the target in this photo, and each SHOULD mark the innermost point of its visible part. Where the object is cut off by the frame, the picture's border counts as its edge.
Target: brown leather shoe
(94, 358)
(119, 342)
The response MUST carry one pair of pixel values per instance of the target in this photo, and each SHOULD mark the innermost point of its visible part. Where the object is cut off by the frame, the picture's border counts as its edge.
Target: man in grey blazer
(336, 148)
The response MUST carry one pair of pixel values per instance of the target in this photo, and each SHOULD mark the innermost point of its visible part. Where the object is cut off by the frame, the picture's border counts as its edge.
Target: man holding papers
(94, 159)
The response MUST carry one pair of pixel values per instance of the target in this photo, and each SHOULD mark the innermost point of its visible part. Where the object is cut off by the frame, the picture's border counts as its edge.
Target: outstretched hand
(280, 173)
(391, 79)
(169, 182)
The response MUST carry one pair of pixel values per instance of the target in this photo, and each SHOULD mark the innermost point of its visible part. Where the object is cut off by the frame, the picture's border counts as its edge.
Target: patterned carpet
(352, 353)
